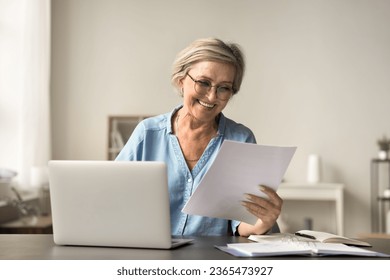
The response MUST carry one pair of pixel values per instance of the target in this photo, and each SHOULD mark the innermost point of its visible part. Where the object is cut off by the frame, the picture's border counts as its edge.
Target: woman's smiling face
(205, 107)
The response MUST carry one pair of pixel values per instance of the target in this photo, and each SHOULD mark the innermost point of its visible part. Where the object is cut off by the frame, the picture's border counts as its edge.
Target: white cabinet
(317, 192)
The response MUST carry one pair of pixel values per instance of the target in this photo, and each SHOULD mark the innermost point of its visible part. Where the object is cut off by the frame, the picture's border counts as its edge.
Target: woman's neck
(188, 125)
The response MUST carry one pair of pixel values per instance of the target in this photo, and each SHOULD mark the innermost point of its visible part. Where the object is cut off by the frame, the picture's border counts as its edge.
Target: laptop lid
(110, 203)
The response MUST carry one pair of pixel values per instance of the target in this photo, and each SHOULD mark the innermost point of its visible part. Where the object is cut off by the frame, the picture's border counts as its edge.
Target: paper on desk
(239, 168)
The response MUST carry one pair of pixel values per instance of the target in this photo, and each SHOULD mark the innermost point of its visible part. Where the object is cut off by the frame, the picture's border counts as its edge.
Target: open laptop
(111, 203)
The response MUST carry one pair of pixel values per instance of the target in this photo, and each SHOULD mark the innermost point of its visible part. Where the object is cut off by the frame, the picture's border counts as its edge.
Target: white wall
(317, 76)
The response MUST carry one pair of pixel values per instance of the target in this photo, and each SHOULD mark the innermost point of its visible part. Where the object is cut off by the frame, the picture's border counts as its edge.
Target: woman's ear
(181, 86)
(180, 83)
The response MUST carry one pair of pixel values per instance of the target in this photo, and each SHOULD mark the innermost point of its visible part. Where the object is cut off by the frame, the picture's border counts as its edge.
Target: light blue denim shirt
(153, 140)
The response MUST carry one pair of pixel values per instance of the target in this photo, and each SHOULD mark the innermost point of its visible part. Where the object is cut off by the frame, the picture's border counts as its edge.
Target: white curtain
(35, 143)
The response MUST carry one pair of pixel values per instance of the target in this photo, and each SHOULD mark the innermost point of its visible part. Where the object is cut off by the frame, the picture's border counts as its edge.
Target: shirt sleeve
(234, 225)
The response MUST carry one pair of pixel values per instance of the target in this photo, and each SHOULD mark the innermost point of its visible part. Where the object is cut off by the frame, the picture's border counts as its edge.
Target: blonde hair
(209, 49)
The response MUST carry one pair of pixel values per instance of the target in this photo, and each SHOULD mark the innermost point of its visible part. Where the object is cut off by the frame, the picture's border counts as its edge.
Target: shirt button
(189, 180)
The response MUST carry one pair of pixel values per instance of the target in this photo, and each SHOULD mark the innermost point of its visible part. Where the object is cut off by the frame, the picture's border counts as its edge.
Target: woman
(207, 74)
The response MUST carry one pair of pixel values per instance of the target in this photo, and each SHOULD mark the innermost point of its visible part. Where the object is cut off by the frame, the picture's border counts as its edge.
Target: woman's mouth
(207, 105)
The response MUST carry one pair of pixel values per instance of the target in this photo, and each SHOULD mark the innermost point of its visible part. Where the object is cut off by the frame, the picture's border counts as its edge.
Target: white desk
(318, 191)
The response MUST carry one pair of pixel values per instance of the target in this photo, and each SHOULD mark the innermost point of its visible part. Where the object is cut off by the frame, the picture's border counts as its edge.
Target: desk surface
(42, 247)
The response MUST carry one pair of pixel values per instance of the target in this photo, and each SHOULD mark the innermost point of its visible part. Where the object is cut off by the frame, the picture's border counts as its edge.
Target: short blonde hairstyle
(209, 49)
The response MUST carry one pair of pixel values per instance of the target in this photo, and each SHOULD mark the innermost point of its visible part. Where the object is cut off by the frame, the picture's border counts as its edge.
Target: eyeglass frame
(217, 87)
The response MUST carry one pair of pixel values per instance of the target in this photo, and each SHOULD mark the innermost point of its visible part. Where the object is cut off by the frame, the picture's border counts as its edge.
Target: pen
(305, 235)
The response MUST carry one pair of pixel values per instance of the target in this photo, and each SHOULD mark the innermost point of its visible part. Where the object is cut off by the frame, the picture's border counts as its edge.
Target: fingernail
(248, 196)
(262, 188)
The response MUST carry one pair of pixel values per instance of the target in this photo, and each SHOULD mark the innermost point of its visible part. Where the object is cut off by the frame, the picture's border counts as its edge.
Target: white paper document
(238, 169)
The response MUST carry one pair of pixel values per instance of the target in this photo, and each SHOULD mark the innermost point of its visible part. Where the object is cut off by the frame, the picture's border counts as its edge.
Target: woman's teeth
(206, 104)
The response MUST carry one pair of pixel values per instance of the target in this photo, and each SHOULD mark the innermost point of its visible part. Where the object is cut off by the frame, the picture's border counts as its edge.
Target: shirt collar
(170, 116)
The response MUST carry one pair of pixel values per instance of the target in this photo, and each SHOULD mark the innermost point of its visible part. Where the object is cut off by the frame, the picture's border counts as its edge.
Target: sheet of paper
(239, 168)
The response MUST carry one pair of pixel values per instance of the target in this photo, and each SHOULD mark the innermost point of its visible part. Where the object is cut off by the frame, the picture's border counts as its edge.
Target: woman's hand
(267, 210)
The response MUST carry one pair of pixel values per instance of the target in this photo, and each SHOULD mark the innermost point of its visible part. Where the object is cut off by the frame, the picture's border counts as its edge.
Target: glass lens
(203, 87)
(224, 92)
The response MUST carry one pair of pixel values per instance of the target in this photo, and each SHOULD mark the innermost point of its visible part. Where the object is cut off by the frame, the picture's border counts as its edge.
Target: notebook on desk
(108, 203)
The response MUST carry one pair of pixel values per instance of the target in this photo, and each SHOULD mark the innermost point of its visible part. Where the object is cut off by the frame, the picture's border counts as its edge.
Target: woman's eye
(224, 89)
(204, 83)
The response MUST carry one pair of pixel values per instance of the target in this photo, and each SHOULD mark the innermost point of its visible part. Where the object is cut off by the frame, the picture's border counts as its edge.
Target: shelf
(119, 130)
(380, 184)
(382, 198)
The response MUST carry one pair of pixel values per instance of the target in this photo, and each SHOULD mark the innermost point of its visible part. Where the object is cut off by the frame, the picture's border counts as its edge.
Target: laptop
(111, 204)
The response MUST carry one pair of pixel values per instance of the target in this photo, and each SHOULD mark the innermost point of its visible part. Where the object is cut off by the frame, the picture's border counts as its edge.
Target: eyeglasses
(224, 92)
